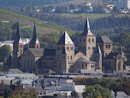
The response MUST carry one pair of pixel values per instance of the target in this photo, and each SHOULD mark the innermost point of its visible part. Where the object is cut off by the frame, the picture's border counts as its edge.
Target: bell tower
(87, 41)
(17, 47)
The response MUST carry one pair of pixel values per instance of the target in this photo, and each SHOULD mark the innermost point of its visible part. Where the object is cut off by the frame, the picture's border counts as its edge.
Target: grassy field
(26, 23)
(92, 16)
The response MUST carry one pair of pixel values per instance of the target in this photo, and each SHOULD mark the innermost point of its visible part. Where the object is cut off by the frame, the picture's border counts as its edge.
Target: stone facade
(90, 56)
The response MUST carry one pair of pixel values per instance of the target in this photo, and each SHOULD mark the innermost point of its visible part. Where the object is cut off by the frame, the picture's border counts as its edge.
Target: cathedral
(92, 55)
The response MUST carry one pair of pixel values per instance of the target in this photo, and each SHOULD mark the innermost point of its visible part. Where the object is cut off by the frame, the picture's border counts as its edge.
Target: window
(89, 40)
(37, 46)
(80, 39)
(21, 46)
(109, 46)
(86, 65)
(89, 48)
(68, 57)
(82, 65)
(71, 57)
(84, 39)
(71, 48)
(93, 40)
(67, 48)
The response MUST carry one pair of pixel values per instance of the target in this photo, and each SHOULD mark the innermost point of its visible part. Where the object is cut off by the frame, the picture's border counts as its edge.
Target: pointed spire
(98, 49)
(34, 37)
(17, 37)
(65, 39)
(87, 30)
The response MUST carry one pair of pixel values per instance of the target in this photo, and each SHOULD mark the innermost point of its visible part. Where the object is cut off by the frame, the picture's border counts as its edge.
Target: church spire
(17, 36)
(87, 30)
(34, 39)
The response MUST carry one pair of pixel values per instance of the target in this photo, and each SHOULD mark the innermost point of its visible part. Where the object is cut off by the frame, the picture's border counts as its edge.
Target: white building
(25, 42)
(125, 4)
(67, 85)
(26, 78)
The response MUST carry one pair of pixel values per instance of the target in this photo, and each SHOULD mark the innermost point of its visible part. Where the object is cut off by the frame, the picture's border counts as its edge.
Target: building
(124, 4)
(63, 59)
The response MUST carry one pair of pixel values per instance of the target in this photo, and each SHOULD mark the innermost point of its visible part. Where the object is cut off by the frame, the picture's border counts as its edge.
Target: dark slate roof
(87, 30)
(37, 51)
(83, 60)
(49, 52)
(17, 36)
(112, 55)
(104, 39)
(34, 37)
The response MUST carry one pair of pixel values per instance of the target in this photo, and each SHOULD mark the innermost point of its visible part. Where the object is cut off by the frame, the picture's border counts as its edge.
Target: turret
(98, 58)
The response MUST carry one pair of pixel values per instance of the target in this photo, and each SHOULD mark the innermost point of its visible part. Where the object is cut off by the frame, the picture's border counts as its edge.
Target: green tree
(8, 93)
(5, 51)
(96, 91)
(33, 93)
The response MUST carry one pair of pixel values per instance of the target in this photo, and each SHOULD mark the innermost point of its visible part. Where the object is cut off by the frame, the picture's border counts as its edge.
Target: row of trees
(97, 87)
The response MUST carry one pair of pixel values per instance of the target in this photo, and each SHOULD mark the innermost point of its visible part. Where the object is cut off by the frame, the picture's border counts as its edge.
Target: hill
(26, 23)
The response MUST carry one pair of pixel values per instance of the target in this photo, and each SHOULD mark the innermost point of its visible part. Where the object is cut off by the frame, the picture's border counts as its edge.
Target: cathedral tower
(17, 46)
(34, 43)
(87, 41)
(65, 52)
